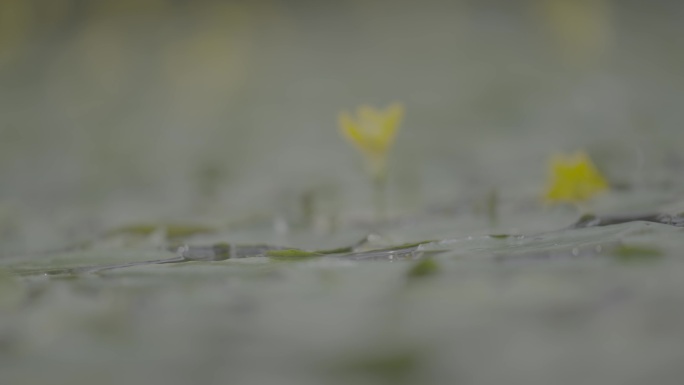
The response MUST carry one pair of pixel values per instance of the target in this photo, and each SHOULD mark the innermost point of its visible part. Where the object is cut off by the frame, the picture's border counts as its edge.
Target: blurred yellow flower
(573, 179)
(372, 131)
(583, 29)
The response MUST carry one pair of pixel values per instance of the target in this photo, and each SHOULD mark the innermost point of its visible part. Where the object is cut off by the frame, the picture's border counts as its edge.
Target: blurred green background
(113, 111)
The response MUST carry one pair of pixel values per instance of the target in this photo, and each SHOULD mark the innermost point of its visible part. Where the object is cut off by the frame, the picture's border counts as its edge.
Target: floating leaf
(291, 254)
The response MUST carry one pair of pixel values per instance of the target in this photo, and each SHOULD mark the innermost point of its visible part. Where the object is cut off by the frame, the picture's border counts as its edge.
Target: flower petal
(391, 120)
(573, 179)
(369, 118)
(351, 130)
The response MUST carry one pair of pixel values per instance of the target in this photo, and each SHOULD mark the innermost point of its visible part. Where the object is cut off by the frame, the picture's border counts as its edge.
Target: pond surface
(178, 205)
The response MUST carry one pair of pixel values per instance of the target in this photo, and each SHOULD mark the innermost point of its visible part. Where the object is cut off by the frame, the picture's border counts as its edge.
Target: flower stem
(380, 195)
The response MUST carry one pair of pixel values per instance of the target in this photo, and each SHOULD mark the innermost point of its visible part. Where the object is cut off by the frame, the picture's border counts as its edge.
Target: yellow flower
(583, 29)
(573, 179)
(372, 132)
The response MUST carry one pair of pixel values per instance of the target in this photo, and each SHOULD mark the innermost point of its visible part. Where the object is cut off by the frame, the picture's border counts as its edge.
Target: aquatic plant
(573, 179)
(372, 131)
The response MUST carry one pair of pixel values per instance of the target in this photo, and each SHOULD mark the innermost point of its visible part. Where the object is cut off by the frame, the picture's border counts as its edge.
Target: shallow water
(130, 136)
